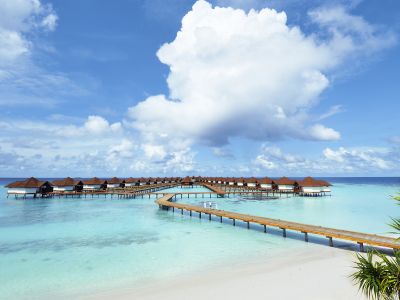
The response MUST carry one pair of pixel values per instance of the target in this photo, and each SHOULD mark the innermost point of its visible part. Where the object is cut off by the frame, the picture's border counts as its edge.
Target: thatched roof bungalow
(67, 184)
(30, 186)
(241, 182)
(129, 182)
(310, 185)
(94, 184)
(265, 183)
(115, 183)
(285, 184)
(187, 181)
(231, 181)
(251, 182)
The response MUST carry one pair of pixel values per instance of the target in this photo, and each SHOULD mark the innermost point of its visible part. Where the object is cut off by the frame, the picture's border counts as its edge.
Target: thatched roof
(186, 180)
(66, 182)
(250, 180)
(28, 183)
(94, 181)
(115, 180)
(284, 181)
(265, 180)
(131, 180)
(311, 182)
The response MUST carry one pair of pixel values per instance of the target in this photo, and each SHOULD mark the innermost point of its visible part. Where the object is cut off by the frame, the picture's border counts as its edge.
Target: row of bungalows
(33, 186)
(306, 186)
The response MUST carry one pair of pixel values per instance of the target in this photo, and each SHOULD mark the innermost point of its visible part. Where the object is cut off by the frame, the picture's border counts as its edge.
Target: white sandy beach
(318, 272)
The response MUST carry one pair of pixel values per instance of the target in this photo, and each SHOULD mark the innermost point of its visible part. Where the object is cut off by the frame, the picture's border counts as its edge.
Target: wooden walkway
(218, 194)
(330, 233)
(217, 190)
(120, 193)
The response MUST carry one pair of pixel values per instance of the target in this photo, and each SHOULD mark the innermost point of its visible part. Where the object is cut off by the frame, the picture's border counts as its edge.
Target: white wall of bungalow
(284, 187)
(312, 189)
(267, 186)
(66, 188)
(91, 187)
(251, 184)
(231, 183)
(22, 191)
(113, 185)
(240, 183)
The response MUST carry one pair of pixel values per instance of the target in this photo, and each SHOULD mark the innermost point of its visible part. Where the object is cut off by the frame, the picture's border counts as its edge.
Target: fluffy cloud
(250, 75)
(93, 146)
(361, 158)
(341, 161)
(272, 157)
(98, 125)
(23, 81)
(18, 18)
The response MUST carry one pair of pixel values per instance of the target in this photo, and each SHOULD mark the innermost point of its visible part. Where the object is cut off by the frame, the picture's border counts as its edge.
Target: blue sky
(171, 87)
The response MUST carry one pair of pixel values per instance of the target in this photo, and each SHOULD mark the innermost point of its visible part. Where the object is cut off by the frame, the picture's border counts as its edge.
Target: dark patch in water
(57, 245)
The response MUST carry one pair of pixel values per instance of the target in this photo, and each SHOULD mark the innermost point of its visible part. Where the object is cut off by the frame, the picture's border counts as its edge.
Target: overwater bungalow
(241, 182)
(312, 187)
(187, 181)
(265, 183)
(251, 182)
(142, 181)
(115, 183)
(130, 182)
(285, 184)
(232, 181)
(94, 184)
(30, 186)
(67, 185)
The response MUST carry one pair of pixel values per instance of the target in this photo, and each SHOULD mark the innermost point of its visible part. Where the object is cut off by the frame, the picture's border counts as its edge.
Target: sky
(184, 87)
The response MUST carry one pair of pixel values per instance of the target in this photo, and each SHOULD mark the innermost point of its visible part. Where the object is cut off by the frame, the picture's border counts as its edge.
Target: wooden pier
(120, 193)
(330, 233)
(215, 189)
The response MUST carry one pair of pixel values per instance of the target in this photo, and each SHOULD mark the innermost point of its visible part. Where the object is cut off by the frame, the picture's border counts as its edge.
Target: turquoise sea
(67, 247)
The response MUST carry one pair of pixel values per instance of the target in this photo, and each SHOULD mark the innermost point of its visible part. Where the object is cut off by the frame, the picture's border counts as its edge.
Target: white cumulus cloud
(249, 75)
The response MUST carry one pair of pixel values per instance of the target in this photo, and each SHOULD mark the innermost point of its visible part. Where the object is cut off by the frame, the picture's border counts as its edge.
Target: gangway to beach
(361, 239)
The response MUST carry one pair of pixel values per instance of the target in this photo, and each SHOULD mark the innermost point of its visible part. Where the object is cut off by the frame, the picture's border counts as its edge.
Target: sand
(314, 272)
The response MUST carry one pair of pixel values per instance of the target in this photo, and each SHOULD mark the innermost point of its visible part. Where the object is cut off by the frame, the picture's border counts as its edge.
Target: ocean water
(68, 247)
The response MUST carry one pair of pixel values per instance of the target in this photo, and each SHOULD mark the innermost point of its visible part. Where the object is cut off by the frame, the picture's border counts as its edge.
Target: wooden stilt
(361, 246)
(265, 228)
(284, 232)
(330, 241)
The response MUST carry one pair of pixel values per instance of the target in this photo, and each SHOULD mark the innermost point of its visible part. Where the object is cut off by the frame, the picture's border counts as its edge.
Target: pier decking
(330, 233)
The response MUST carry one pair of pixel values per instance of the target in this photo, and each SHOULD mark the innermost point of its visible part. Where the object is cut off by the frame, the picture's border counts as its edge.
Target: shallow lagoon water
(65, 247)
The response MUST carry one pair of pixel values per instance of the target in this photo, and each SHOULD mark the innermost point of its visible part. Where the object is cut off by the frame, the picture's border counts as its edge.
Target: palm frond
(369, 275)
